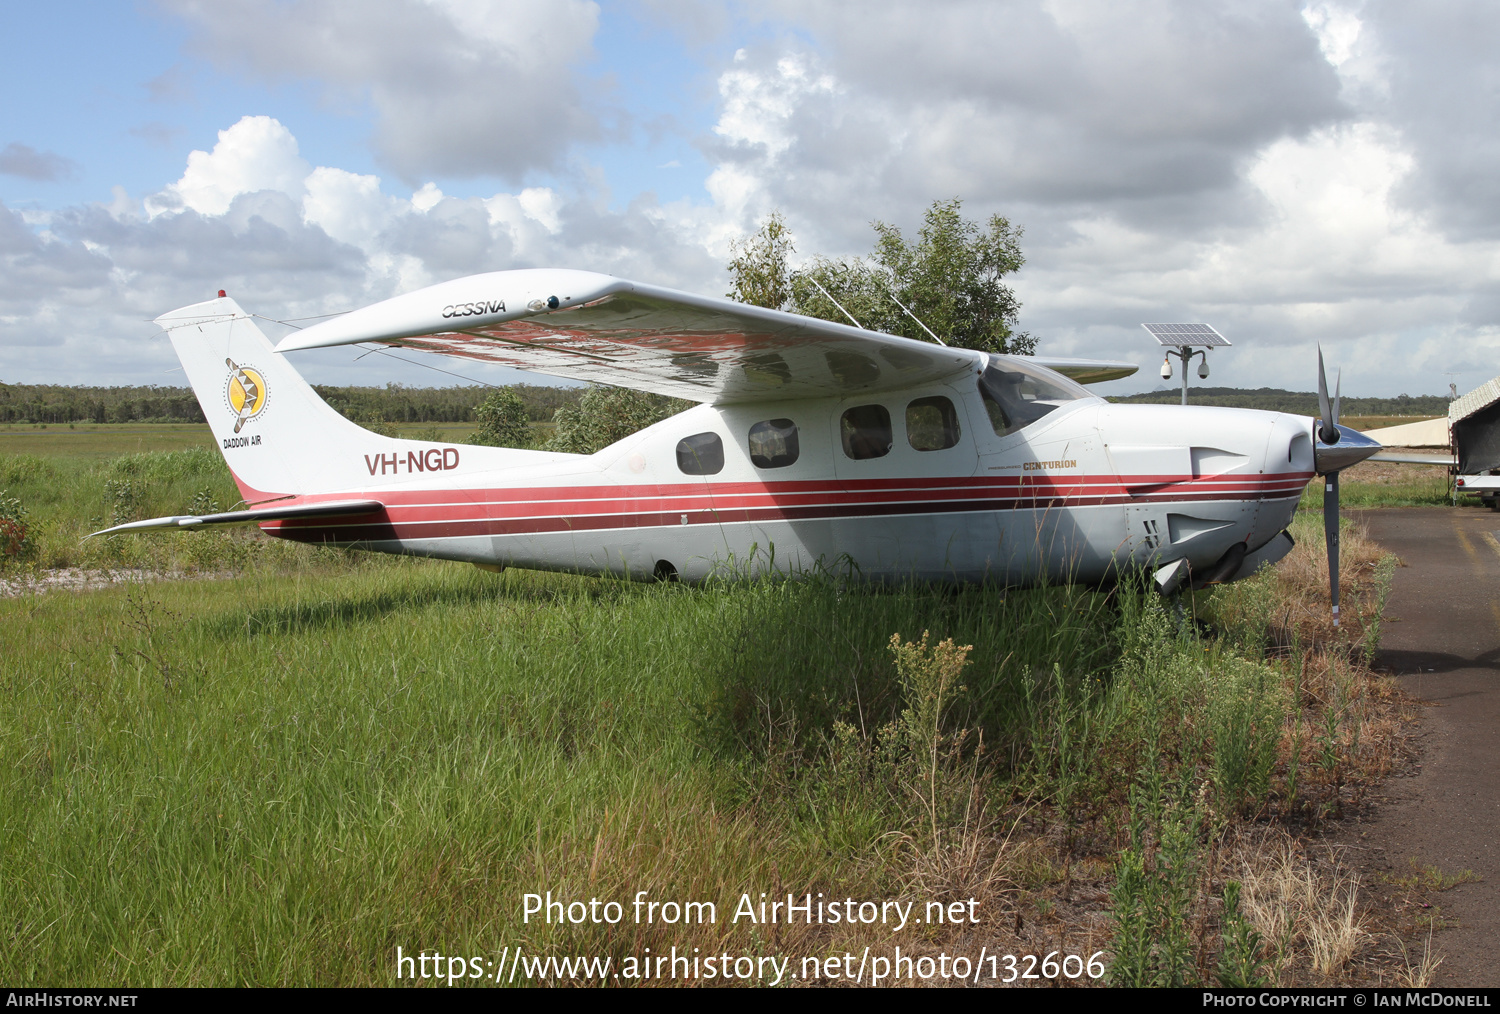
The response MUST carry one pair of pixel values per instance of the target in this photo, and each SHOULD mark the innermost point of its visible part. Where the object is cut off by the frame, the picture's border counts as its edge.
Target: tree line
(394, 403)
(1271, 399)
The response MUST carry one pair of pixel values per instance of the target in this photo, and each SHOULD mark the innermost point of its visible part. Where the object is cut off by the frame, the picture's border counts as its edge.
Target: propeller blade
(1328, 432)
(1331, 536)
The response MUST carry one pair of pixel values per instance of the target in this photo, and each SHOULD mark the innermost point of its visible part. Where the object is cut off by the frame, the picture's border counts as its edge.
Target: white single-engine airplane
(814, 443)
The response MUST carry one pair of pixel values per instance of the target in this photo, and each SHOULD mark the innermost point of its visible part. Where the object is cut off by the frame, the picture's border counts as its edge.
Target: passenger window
(932, 424)
(700, 454)
(866, 432)
(773, 443)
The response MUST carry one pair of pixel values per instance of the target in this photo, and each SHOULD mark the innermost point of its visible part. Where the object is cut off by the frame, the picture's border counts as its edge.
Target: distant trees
(950, 277)
(394, 403)
(54, 403)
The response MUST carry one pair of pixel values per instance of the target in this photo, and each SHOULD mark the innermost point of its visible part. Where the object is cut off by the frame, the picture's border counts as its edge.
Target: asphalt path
(1442, 640)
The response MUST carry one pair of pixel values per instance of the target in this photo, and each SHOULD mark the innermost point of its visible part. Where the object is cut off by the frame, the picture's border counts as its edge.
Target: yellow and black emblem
(245, 393)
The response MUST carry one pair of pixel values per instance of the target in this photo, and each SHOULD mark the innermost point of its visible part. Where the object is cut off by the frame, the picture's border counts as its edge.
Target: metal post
(1187, 357)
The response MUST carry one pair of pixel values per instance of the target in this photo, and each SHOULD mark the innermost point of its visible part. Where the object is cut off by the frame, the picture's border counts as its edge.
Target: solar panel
(1186, 334)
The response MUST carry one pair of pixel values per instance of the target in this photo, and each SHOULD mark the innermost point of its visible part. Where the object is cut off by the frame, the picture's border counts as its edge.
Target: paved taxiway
(1442, 639)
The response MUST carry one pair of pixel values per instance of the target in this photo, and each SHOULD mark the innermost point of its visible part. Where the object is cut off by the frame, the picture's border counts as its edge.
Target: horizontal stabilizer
(339, 508)
(1085, 371)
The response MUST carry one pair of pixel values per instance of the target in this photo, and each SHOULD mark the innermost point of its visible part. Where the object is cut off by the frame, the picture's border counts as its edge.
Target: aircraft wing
(324, 509)
(591, 327)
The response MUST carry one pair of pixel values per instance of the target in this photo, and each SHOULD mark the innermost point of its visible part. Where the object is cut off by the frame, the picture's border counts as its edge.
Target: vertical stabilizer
(279, 437)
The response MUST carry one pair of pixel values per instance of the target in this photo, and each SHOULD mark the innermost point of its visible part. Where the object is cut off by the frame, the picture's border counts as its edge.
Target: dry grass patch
(1303, 910)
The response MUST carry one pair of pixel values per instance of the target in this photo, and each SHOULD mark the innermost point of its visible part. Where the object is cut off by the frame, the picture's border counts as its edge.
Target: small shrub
(18, 469)
(1246, 712)
(607, 414)
(204, 502)
(122, 500)
(1152, 900)
(16, 540)
(503, 421)
(1239, 959)
(929, 686)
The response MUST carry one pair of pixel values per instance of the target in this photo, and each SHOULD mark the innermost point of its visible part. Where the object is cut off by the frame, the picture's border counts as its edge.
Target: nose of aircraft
(1350, 448)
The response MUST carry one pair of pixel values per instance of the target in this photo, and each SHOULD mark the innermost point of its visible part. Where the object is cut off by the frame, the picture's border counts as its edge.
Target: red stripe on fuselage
(437, 513)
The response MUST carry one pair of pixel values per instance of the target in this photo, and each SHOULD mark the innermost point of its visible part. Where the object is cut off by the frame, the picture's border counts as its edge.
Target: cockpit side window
(1016, 395)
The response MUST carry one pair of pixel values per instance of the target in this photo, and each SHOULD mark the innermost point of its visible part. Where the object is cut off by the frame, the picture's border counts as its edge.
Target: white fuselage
(1082, 493)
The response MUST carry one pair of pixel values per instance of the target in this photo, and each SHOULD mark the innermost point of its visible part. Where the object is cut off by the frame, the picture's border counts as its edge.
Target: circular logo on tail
(245, 392)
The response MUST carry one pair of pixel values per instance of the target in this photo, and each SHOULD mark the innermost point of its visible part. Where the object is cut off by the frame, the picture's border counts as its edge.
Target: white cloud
(1337, 28)
(348, 206)
(1293, 175)
(257, 153)
(290, 240)
(457, 87)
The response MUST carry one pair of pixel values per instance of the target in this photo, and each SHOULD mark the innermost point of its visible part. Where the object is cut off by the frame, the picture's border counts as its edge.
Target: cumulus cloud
(290, 240)
(458, 87)
(1151, 106)
(17, 159)
(257, 153)
(1292, 175)
(1273, 170)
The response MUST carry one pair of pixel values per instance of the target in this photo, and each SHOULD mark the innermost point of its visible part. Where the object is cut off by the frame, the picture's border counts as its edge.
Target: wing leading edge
(596, 328)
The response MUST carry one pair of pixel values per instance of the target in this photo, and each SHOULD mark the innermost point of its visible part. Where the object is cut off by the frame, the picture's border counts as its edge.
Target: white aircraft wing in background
(592, 327)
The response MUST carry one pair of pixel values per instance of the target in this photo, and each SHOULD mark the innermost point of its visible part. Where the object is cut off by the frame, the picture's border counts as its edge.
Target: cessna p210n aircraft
(814, 442)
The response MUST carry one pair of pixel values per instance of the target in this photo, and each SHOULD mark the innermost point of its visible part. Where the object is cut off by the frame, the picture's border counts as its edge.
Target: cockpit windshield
(1017, 394)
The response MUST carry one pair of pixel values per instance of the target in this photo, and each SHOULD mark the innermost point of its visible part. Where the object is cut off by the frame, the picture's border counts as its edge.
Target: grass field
(282, 776)
(96, 441)
(105, 440)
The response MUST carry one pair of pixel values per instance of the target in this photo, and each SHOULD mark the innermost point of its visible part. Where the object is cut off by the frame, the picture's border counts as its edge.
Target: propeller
(1335, 449)
(1329, 433)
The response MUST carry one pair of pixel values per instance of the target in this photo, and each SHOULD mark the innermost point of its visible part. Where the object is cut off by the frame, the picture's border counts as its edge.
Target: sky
(1295, 174)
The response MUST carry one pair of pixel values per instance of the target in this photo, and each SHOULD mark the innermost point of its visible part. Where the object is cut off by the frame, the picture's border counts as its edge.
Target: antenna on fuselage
(914, 317)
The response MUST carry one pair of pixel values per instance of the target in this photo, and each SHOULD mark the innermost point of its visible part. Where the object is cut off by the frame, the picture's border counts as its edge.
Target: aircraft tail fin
(278, 436)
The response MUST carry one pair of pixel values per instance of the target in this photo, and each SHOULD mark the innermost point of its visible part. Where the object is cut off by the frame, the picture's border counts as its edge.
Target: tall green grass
(67, 498)
(282, 777)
